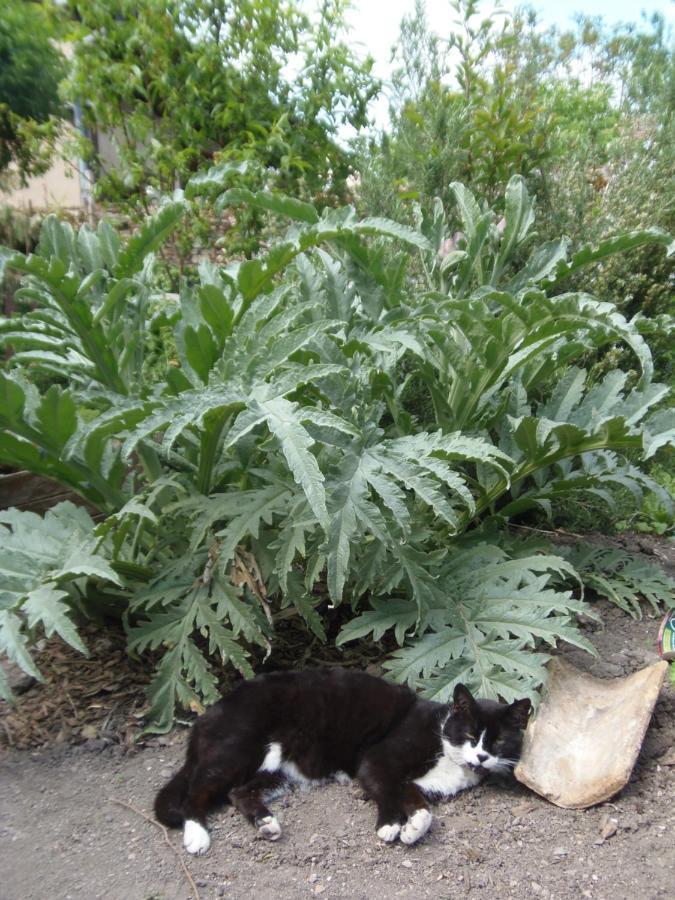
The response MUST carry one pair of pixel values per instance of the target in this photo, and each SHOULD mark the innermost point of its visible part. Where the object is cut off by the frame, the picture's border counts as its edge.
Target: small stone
(522, 809)
(406, 864)
(560, 851)
(96, 746)
(89, 732)
(320, 888)
(313, 878)
(18, 680)
(607, 670)
(608, 828)
(536, 887)
(668, 758)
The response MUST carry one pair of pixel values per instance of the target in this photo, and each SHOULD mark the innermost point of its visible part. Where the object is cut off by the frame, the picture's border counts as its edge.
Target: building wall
(58, 188)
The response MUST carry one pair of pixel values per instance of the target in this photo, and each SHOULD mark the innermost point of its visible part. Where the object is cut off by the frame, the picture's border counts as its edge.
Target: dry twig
(164, 831)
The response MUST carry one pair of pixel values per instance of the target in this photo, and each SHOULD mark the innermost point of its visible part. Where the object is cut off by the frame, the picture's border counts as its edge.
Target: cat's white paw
(196, 838)
(269, 828)
(389, 833)
(416, 826)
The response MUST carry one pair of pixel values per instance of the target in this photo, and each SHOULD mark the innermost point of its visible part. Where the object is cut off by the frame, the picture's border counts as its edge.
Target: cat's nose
(481, 757)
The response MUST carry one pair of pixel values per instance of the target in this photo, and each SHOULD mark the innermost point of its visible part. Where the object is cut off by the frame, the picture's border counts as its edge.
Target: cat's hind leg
(208, 787)
(249, 799)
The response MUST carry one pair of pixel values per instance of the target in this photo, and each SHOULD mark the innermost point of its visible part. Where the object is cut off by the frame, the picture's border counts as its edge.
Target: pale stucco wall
(58, 188)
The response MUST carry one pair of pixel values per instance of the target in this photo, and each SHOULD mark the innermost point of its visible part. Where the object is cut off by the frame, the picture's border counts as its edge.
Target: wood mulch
(95, 698)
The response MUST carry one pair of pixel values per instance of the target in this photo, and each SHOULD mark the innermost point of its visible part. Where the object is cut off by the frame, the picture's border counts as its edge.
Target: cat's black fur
(322, 722)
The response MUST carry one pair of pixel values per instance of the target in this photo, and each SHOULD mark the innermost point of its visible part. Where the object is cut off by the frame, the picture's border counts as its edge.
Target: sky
(375, 23)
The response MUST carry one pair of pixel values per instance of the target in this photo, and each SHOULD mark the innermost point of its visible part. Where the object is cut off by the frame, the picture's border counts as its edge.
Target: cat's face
(483, 734)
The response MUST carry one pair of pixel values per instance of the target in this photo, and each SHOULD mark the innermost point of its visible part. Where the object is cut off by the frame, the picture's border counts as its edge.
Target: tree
(178, 83)
(30, 70)
(466, 106)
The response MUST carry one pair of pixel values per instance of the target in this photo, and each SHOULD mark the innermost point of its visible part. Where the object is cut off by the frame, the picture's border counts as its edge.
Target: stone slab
(581, 747)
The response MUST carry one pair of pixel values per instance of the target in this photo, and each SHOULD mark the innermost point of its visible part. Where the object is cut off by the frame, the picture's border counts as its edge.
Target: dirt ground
(63, 836)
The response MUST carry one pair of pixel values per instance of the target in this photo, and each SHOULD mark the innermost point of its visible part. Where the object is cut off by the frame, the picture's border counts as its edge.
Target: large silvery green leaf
(518, 219)
(184, 675)
(484, 627)
(284, 421)
(153, 233)
(277, 203)
(39, 558)
(350, 492)
(623, 578)
(45, 606)
(591, 253)
(399, 615)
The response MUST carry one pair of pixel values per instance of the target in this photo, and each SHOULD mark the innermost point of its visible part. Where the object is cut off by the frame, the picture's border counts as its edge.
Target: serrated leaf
(284, 423)
(425, 655)
(350, 489)
(305, 605)
(277, 203)
(45, 606)
(57, 416)
(153, 233)
(396, 614)
(14, 644)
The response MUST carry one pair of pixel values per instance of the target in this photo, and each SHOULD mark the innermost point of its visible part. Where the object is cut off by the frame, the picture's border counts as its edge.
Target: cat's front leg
(417, 825)
(382, 787)
(416, 808)
(389, 833)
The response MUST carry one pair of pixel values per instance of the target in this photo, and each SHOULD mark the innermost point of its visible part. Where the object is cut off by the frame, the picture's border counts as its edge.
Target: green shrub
(337, 431)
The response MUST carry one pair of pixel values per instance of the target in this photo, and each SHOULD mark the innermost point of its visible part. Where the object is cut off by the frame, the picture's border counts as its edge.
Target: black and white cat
(307, 727)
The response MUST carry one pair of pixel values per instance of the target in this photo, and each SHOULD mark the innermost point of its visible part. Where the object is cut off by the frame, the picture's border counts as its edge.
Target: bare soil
(64, 837)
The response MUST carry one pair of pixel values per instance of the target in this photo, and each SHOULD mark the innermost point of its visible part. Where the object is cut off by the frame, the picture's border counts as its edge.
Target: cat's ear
(519, 712)
(463, 703)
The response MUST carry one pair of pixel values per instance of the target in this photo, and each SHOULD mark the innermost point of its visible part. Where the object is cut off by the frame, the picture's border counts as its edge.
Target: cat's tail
(169, 801)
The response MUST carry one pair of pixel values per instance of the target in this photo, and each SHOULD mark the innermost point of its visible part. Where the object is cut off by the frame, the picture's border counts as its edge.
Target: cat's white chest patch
(447, 777)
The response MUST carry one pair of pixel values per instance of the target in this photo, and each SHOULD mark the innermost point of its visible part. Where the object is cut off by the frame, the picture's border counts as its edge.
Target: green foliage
(468, 105)
(623, 578)
(585, 116)
(30, 70)
(44, 562)
(652, 516)
(489, 612)
(175, 84)
(335, 432)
